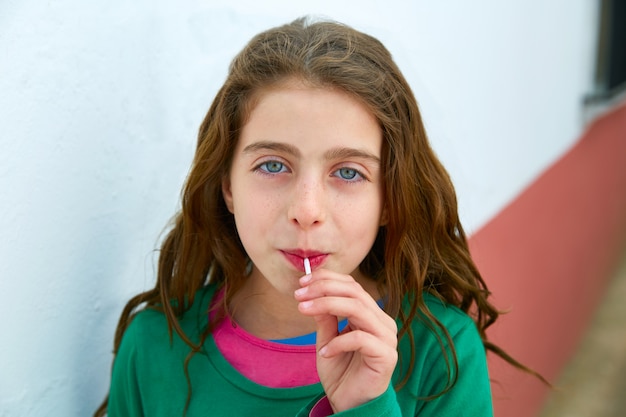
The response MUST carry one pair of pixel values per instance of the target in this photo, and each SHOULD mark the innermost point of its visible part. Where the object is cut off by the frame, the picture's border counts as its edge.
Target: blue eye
(348, 174)
(272, 167)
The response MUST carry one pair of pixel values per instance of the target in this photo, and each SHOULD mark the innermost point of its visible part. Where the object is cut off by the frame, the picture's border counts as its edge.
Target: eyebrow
(343, 153)
(266, 145)
(334, 153)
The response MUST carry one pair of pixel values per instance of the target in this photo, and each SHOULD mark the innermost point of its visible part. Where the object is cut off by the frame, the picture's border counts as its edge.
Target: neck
(271, 313)
(266, 313)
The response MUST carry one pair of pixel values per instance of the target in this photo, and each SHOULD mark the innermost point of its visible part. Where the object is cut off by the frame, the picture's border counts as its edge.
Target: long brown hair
(421, 248)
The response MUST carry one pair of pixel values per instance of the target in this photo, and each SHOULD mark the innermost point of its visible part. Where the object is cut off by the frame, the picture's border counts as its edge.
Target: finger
(332, 287)
(320, 274)
(362, 317)
(379, 355)
(345, 286)
(326, 329)
(358, 311)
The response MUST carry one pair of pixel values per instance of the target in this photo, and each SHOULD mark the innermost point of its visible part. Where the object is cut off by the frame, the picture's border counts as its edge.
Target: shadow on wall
(547, 258)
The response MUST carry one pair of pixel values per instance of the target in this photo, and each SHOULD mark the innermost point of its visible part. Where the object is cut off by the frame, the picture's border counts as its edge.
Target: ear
(227, 193)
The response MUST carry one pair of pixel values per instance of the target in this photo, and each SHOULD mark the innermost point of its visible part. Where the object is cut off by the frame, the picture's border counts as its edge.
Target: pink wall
(547, 257)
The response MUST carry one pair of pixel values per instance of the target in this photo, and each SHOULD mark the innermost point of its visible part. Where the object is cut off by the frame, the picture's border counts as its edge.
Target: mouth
(296, 258)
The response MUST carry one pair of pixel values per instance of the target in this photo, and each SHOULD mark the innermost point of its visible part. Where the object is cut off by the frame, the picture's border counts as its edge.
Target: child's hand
(354, 366)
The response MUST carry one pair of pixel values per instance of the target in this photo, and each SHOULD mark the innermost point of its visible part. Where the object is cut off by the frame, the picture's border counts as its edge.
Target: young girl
(318, 264)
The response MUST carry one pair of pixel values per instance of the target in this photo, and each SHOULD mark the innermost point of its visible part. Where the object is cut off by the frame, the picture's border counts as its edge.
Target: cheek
(254, 215)
(361, 224)
(361, 210)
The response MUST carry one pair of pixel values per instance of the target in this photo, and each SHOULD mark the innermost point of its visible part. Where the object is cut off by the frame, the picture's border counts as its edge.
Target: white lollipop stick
(307, 266)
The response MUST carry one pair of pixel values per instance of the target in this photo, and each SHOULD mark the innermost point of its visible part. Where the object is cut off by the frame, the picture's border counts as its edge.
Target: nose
(307, 206)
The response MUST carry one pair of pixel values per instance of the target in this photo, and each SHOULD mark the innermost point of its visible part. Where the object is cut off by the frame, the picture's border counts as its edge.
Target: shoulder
(150, 325)
(447, 363)
(450, 332)
(148, 361)
(451, 317)
(148, 340)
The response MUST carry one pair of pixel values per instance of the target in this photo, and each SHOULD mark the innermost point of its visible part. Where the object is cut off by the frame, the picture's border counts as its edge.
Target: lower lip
(298, 261)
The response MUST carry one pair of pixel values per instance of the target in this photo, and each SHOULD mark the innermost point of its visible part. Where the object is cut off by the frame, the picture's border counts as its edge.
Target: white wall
(99, 108)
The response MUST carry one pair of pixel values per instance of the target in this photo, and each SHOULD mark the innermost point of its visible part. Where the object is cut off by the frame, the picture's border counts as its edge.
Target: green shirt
(148, 376)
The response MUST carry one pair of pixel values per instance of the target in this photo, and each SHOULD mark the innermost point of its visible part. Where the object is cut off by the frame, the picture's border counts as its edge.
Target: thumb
(326, 330)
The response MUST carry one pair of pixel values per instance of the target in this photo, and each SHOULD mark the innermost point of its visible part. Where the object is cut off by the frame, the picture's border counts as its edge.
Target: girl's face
(305, 181)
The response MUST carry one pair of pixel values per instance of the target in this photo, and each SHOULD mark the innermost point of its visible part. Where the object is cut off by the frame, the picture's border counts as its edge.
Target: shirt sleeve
(471, 394)
(322, 408)
(385, 405)
(125, 395)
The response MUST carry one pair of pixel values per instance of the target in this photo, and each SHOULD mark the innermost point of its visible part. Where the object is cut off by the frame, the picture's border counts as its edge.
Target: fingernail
(301, 291)
(305, 279)
(306, 304)
(322, 352)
